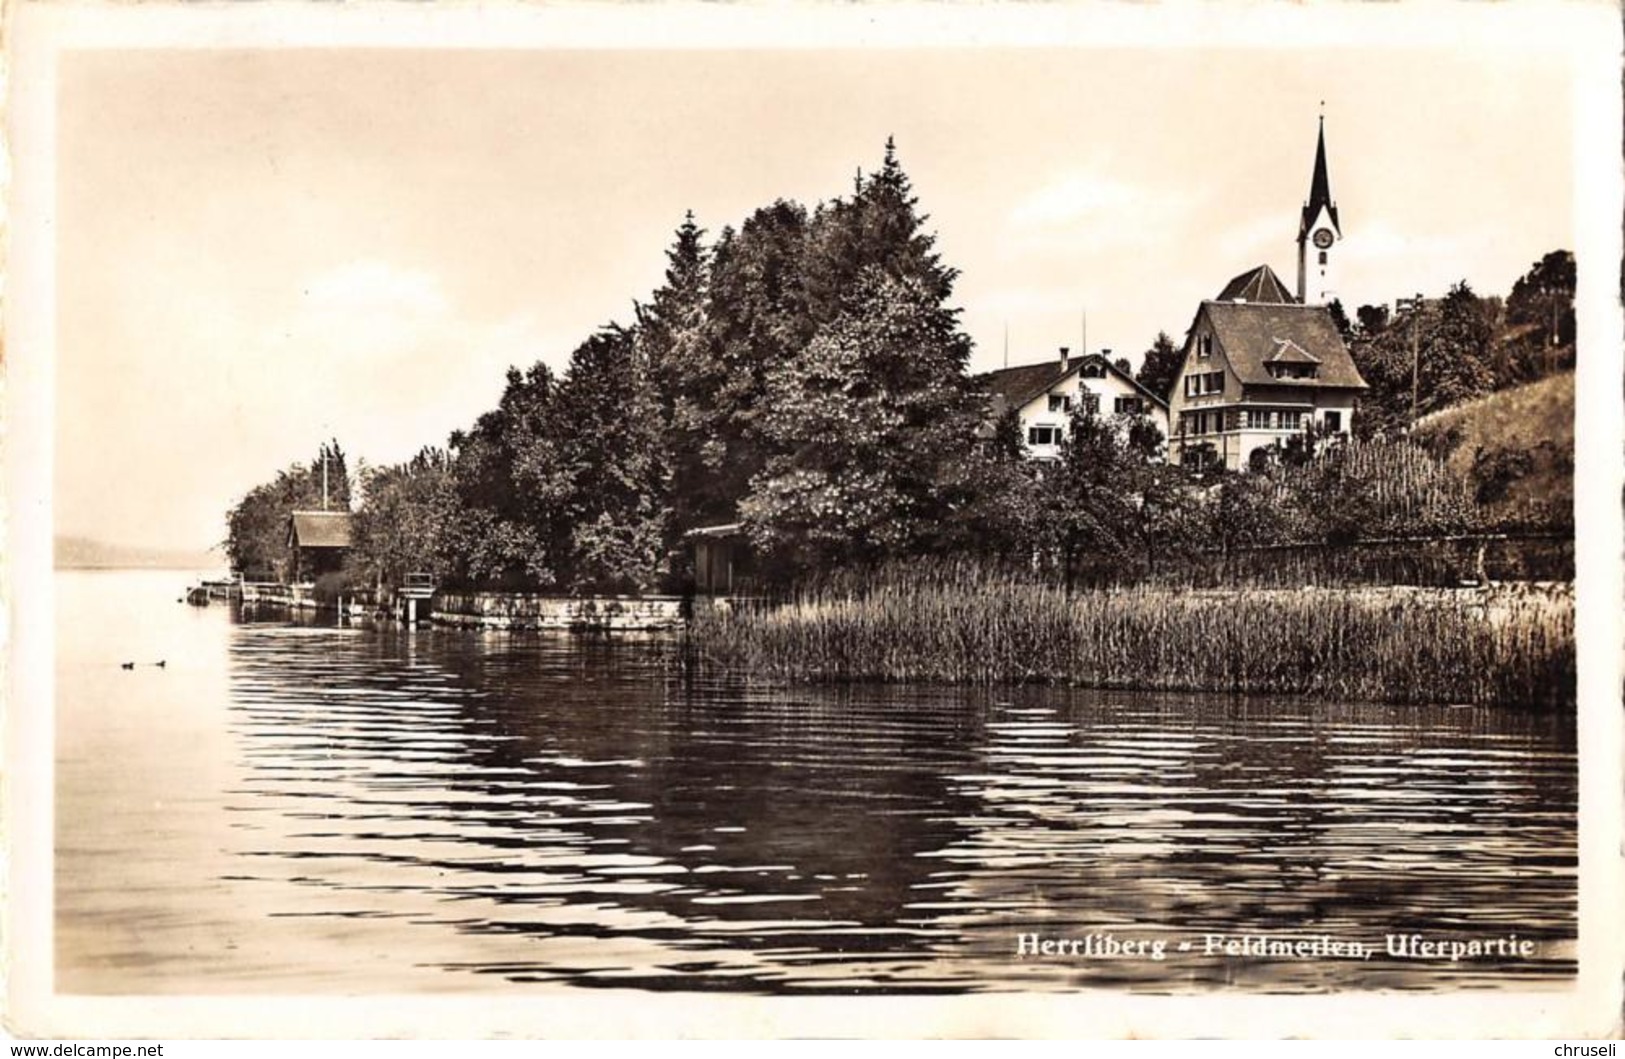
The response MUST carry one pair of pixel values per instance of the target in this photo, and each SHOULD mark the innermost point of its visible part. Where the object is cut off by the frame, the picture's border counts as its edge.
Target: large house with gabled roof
(1043, 397)
(1260, 367)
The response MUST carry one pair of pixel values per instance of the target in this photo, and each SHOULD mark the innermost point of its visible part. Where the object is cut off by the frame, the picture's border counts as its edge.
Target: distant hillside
(83, 553)
(1516, 447)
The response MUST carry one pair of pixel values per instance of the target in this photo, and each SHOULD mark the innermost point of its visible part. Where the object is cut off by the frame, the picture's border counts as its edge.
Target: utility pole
(1416, 364)
(1413, 308)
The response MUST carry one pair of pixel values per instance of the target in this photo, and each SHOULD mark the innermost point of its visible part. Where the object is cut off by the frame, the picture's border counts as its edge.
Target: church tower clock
(1318, 230)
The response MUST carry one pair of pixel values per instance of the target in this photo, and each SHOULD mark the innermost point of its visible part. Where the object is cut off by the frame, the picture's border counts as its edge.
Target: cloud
(380, 356)
(1074, 199)
(1095, 212)
(371, 310)
(1386, 262)
(362, 313)
(1268, 238)
(371, 282)
(1006, 301)
(1381, 242)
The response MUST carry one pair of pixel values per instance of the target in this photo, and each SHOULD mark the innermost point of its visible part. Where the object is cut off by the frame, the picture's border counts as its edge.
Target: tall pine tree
(867, 424)
(1160, 366)
(759, 319)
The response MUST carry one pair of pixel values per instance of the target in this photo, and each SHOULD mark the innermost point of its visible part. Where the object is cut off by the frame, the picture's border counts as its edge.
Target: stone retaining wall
(516, 610)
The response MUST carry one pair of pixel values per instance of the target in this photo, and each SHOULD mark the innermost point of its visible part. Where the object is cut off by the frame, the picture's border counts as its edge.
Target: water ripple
(555, 809)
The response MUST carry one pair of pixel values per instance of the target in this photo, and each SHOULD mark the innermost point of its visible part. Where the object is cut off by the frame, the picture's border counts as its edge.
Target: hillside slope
(1516, 448)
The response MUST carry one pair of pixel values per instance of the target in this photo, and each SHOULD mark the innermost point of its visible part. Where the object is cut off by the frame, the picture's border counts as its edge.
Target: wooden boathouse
(317, 544)
(724, 564)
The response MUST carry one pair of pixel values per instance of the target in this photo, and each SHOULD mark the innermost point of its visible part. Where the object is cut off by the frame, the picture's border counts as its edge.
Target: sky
(258, 250)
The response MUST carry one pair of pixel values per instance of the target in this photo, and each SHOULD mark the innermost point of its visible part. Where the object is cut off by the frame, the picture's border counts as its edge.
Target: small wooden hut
(317, 544)
(723, 562)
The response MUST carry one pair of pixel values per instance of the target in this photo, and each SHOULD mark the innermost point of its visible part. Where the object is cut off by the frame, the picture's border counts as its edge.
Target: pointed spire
(1320, 187)
(1320, 190)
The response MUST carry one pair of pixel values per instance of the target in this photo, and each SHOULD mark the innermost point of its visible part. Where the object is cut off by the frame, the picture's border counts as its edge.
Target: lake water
(300, 807)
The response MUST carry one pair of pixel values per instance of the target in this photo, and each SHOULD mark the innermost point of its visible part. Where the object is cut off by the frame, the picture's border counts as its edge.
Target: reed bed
(1505, 646)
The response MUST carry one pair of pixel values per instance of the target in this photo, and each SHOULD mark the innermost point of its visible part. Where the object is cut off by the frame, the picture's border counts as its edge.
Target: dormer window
(1291, 361)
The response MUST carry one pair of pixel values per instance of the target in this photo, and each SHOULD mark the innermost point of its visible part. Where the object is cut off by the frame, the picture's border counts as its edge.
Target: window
(1093, 370)
(1257, 419)
(1199, 457)
(1203, 422)
(1323, 257)
(1059, 402)
(1132, 406)
(1043, 435)
(1334, 422)
(1291, 420)
(1204, 346)
(1090, 402)
(1206, 383)
(1294, 371)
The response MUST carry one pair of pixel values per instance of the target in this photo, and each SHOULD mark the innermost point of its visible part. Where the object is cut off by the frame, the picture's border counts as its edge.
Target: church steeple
(1318, 229)
(1320, 189)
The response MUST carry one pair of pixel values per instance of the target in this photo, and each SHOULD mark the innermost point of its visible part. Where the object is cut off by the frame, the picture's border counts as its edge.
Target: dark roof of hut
(319, 529)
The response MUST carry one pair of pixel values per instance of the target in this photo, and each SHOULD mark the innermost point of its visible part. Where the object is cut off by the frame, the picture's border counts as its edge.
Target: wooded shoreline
(803, 378)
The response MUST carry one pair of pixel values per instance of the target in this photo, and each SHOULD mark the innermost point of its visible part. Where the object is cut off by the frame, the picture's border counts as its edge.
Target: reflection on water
(311, 807)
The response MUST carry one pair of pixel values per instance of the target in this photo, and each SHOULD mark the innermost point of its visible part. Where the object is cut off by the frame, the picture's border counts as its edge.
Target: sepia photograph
(1082, 521)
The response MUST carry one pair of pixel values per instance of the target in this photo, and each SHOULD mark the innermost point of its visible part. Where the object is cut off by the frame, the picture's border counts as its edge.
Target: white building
(1259, 368)
(1262, 366)
(1045, 395)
